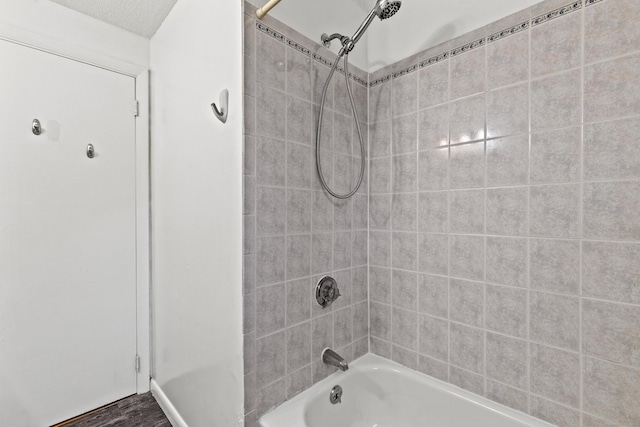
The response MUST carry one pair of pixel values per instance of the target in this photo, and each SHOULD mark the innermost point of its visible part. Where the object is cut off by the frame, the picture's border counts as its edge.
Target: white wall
(197, 211)
(58, 29)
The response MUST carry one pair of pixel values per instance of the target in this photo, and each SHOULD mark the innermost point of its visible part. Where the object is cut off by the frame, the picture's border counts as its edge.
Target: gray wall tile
(611, 210)
(298, 346)
(554, 210)
(466, 256)
(466, 211)
(556, 45)
(404, 328)
(611, 391)
(270, 363)
(380, 284)
(506, 310)
(610, 331)
(603, 43)
(405, 134)
(556, 101)
(611, 271)
(404, 357)
(555, 156)
(433, 253)
(433, 337)
(404, 289)
(433, 295)
(467, 380)
(508, 396)
(507, 211)
(555, 374)
(508, 161)
(298, 256)
(467, 119)
(404, 212)
(508, 111)
(554, 320)
(433, 127)
(507, 261)
(404, 96)
(467, 166)
(466, 348)
(466, 302)
(433, 212)
(433, 168)
(298, 301)
(434, 84)
(608, 153)
(404, 251)
(468, 73)
(507, 360)
(612, 89)
(553, 412)
(508, 60)
(555, 265)
(433, 368)
(380, 248)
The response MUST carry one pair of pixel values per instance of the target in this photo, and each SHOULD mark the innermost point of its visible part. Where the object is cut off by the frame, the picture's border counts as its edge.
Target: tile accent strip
(564, 10)
(306, 51)
(434, 60)
(572, 7)
(469, 46)
(508, 32)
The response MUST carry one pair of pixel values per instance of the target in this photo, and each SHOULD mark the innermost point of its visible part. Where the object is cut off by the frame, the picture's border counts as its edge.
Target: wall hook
(35, 127)
(223, 112)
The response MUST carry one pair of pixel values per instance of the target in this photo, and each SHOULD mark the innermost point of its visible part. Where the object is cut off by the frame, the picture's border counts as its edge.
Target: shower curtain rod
(260, 13)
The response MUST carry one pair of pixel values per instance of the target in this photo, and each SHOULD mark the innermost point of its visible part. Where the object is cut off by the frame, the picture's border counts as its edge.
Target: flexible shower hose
(355, 116)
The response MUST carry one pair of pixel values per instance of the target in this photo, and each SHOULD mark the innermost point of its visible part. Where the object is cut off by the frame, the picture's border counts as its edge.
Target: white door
(67, 238)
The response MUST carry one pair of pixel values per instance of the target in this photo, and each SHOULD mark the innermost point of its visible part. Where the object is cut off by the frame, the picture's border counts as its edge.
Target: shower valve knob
(327, 291)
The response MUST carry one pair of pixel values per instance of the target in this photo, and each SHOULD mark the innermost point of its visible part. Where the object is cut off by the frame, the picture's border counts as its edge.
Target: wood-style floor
(135, 411)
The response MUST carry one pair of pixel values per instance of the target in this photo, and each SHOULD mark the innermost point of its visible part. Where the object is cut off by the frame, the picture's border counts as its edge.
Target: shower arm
(349, 43)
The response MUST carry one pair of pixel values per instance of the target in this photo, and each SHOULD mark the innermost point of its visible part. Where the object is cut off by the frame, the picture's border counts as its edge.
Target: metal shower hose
(355, 115)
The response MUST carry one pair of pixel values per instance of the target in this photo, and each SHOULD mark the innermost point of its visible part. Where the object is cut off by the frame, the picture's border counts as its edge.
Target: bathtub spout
(332, 358)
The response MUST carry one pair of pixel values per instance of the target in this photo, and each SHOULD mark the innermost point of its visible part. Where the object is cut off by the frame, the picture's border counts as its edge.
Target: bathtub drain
(336, 395)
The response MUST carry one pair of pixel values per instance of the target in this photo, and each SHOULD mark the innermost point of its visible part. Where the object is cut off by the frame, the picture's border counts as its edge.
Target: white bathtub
(381, 393)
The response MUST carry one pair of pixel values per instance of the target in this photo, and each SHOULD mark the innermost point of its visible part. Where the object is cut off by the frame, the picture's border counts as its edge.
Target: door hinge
(137, 363)
(136, 108)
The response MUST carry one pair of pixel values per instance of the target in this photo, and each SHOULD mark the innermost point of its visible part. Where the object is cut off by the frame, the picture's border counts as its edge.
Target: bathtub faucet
(332, 358)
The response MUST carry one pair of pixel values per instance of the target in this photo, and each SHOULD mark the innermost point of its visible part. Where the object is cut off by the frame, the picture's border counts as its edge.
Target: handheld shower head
(387, 8)
(383, 9)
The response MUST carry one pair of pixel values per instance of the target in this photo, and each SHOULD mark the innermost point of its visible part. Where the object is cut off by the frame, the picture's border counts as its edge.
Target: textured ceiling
(142, 17)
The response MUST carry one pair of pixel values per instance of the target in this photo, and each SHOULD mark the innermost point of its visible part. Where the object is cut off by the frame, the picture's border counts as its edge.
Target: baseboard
(167, 407)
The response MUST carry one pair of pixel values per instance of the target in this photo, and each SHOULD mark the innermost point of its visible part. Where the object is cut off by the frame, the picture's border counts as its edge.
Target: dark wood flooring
(135, 411)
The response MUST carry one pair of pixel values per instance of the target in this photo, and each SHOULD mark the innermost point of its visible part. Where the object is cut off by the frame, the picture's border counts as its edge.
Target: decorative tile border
(469, 46)
(434, 60)
(306, 51)
(508, 32)
(564, 10)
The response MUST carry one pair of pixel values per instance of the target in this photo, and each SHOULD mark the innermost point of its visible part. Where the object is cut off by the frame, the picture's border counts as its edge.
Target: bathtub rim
(294, 408)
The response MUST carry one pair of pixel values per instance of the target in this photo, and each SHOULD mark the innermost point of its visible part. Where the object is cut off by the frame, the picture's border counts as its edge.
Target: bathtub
(381, 393)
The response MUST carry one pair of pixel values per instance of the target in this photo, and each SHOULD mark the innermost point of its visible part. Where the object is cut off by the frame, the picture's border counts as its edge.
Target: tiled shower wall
(505, 212)
(294, 232)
